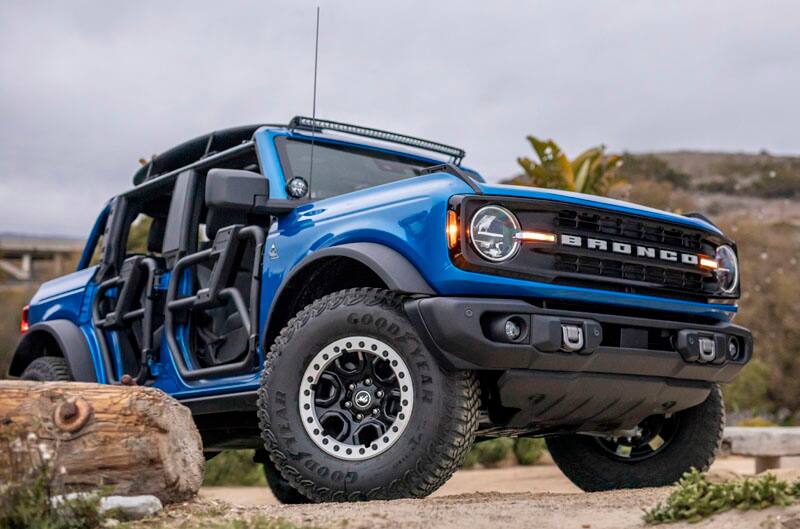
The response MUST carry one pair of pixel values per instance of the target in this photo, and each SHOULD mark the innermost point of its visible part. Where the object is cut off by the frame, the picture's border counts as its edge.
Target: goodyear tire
(352, 406)
(665, 449)
(48, 368)
(281, 489)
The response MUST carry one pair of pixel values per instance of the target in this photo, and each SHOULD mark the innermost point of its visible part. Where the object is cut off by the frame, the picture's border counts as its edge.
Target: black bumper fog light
(510, 329)
(734, 349)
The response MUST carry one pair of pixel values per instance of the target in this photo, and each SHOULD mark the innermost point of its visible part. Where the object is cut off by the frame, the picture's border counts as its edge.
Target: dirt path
(609, 510)
(537, 497)
(541, 478)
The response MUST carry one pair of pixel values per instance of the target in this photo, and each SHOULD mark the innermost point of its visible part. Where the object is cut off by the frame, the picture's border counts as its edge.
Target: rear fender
(55, 338)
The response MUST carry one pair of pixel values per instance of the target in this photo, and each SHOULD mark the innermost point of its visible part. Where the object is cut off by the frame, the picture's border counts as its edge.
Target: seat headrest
(155, 237)
(218, 218)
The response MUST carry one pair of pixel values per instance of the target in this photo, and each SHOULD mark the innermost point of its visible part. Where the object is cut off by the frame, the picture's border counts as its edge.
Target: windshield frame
(280, 142)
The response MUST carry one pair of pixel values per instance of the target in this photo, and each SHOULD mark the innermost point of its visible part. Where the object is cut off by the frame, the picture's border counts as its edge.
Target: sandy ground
(542, 478)
(537, 497)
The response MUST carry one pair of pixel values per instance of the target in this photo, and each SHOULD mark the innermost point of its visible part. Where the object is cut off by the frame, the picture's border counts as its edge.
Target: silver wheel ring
(318, 365)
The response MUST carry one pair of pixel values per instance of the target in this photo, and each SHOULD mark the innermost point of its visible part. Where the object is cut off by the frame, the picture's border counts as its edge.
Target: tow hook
(707, 349)
(552, 334)
(572, 337)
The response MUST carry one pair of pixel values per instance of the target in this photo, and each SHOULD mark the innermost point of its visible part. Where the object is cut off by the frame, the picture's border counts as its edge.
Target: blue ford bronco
(359, 307)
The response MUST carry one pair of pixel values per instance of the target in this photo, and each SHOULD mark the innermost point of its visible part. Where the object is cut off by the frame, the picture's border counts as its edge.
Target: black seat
(221, 336)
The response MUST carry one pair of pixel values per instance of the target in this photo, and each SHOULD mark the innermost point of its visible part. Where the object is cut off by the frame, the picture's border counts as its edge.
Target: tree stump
(135, 440)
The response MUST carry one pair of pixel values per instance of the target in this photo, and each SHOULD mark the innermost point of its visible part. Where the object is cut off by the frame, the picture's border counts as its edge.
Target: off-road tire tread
(48, 368)
(443, 457)
(283, 491)
(583, 469)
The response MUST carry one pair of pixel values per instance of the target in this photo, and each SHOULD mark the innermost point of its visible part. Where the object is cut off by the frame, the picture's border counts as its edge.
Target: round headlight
(493, 230)
(728, 269)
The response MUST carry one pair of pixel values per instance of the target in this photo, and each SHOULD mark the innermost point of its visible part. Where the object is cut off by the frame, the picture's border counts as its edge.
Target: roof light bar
(299, 122)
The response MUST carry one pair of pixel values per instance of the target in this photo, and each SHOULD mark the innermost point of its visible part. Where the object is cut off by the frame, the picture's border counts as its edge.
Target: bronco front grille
(671, 279)
(581, 266)
(629, 228)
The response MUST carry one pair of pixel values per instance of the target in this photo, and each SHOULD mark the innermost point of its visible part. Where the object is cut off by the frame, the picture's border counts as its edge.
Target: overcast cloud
(87, 88)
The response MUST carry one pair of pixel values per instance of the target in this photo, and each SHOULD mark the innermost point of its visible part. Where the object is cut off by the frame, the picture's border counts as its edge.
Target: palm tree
(590, 172)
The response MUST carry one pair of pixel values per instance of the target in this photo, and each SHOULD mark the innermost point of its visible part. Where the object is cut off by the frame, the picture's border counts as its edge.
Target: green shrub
(749, 391)
(755, 422)
(471, 459)
(489, 453)
(28, 481)
(528, 451)
(234, 468)
(777, 184)
(696, 498)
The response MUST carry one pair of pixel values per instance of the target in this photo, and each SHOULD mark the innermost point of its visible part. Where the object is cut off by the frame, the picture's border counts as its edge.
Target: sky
(89, 88)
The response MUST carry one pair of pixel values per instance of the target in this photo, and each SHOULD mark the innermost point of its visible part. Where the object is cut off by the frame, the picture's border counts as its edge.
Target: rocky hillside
(761, 186)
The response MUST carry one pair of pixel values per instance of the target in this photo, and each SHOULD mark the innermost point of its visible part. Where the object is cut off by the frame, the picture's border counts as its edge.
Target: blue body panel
(68, 298)
(598, 202)
(407, 216)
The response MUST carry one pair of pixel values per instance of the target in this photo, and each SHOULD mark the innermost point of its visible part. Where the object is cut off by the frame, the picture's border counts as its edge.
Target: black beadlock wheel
(48, 368)
(352, 406)
(663, 448)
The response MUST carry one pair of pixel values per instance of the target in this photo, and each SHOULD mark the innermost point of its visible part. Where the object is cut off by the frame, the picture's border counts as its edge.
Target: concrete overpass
(27, 257)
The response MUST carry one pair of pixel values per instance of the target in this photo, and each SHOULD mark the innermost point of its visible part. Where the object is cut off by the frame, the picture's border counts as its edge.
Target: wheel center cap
(362, 399)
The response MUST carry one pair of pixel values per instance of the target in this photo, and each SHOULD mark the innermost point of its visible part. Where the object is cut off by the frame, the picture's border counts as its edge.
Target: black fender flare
(390, 265)
(396, 272)
(69, 339)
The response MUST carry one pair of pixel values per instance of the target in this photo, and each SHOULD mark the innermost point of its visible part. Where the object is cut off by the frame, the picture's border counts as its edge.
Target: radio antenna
(314, 108)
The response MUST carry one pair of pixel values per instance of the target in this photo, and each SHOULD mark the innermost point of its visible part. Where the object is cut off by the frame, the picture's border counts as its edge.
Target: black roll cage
(178, 242)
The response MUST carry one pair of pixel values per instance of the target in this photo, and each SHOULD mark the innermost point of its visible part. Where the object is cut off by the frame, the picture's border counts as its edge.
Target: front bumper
(626, 369)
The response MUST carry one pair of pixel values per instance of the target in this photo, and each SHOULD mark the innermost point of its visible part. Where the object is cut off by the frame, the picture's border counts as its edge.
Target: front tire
(353, 407)
(666, 449)
(281, 489)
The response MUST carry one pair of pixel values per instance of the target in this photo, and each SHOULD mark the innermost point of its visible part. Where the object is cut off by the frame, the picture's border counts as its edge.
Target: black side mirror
(244, 191)
(232, 189)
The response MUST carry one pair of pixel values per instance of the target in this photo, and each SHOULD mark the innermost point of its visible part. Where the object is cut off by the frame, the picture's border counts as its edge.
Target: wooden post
(764, 463)
(136, 440)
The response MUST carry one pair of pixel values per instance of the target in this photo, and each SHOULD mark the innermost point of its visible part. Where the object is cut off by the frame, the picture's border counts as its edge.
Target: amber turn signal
(452, 229)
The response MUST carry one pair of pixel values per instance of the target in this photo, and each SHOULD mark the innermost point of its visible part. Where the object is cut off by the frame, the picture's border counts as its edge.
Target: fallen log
(129, 440)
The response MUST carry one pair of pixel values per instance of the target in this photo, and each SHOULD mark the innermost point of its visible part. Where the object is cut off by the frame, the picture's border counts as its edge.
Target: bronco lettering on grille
(623, 248)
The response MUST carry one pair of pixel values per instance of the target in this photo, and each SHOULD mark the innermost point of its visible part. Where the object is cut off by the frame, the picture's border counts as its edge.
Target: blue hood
(595, 201)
